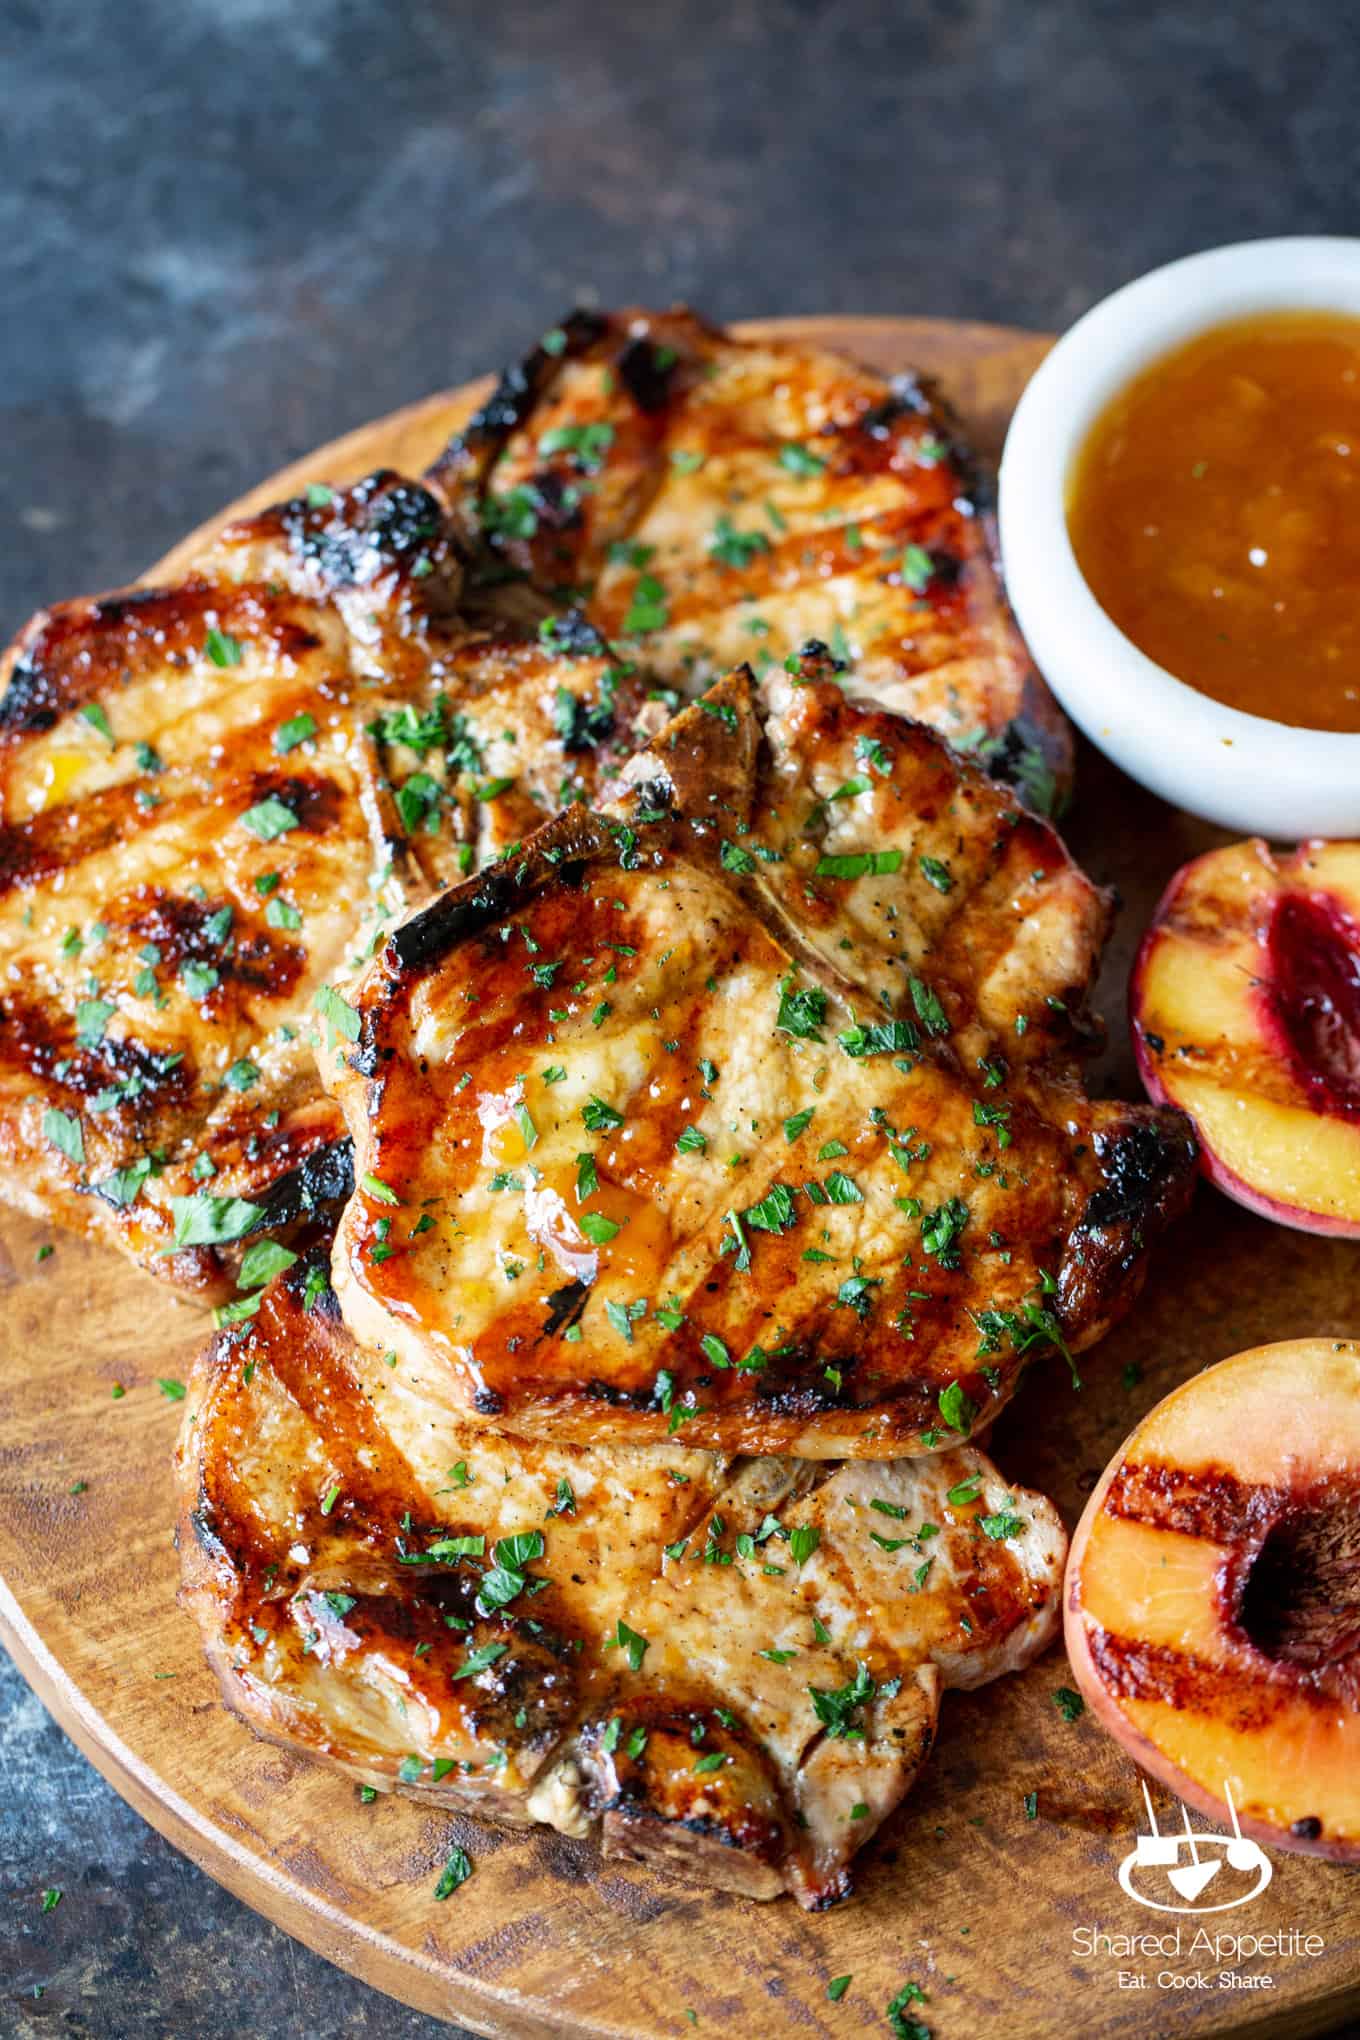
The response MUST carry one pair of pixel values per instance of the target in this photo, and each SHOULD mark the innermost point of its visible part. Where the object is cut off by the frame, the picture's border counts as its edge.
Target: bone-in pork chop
(749, 1106)
(713, 500)
(732, 1670)
(207, 793)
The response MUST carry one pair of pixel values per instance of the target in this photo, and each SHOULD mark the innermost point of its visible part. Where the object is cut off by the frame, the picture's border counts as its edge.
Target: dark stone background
(230, 229)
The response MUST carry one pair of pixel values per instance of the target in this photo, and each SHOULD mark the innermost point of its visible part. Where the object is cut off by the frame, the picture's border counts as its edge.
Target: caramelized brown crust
(208, 794)
(732, 1670)
(749, 1105)
(712, 500)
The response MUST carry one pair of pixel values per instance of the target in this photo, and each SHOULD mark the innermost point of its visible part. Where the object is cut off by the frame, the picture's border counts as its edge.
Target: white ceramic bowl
(1251, 775)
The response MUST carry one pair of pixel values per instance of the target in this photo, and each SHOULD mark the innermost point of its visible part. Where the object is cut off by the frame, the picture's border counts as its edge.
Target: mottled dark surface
(230, 229)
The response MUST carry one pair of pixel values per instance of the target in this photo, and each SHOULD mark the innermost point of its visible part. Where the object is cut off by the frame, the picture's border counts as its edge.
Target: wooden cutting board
(965, 1893)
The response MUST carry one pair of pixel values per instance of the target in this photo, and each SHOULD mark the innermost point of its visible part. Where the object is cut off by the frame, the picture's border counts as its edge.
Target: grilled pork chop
(207, 792)
(733, 1668)
(713, 500)
(748, 1105)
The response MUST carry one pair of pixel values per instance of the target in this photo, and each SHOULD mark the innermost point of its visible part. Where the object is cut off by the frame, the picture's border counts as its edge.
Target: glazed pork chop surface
(731, 1669)
(208, 792)
(713, 500)
(747, 1110)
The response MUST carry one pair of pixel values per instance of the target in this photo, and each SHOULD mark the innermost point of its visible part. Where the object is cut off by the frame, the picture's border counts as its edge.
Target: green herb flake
(270, 818)
(222, 648)
(295, 731)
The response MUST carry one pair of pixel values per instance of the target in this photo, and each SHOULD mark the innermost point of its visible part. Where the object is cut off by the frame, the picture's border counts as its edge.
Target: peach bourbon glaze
(1213, 514)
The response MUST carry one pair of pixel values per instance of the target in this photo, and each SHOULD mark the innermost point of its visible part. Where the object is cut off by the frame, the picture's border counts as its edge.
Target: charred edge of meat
(312, 1295)
(482, 901)
(816, 661)
(565, 1306)
(325, 1177)
(1139, 1162)
(520, 390)
(1150, 1170)
(645, 371)
(1034, 754)
(1028, 756)
(384, 520)
(30, 702)
(572, 634)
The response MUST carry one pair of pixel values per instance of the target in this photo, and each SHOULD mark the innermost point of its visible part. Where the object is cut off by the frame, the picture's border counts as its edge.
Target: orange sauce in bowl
(1214, 510)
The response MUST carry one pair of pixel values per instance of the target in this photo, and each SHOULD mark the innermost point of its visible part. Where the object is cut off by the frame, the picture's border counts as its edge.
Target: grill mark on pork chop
(208, 792)
(677, 479)
(626, 1681)
(946, 1204)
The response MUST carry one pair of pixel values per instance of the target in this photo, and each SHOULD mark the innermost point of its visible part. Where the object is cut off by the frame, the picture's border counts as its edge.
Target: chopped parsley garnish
(63, 1131)
(123, 1187)
(860, 864)
(622, 1315)
(598, 1229)
(261, 1262)
(957, 1408)
(1070, 1705)
(839, 1709)
(92, 1017)
(198, 979)
(775, 1211)
(901, 2027)
(801, 1012)
(880, 1037)
(588, 444)
(803, 1541)
(628, 1640)
(173, 1391)
(295, 731)
(928, 1008)
(94, 715)
(735, 548)
(339, 1015)
(647, 611)
(269, 818)
(937, 873)
(691, 1141)
(222, 648)
(456, 1871)
(279, 914)
(203, 1221)
(941, 1229)
(918, 569)
(599, 1117)
(481, 1660)
(797, 460)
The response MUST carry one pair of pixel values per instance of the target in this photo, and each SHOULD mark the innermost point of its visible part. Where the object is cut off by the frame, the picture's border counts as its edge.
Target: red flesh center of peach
(1313, 993)
(1300, 1601)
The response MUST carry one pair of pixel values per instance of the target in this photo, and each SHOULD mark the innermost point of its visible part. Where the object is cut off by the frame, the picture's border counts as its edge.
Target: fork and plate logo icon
(1206, 1857)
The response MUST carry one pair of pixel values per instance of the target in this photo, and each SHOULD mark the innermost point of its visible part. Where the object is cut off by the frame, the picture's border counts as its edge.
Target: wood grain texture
(964, 1893)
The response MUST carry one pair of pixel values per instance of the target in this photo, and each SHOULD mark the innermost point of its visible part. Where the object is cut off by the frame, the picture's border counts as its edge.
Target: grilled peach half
(1212, 1599)
(1245, 1006)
